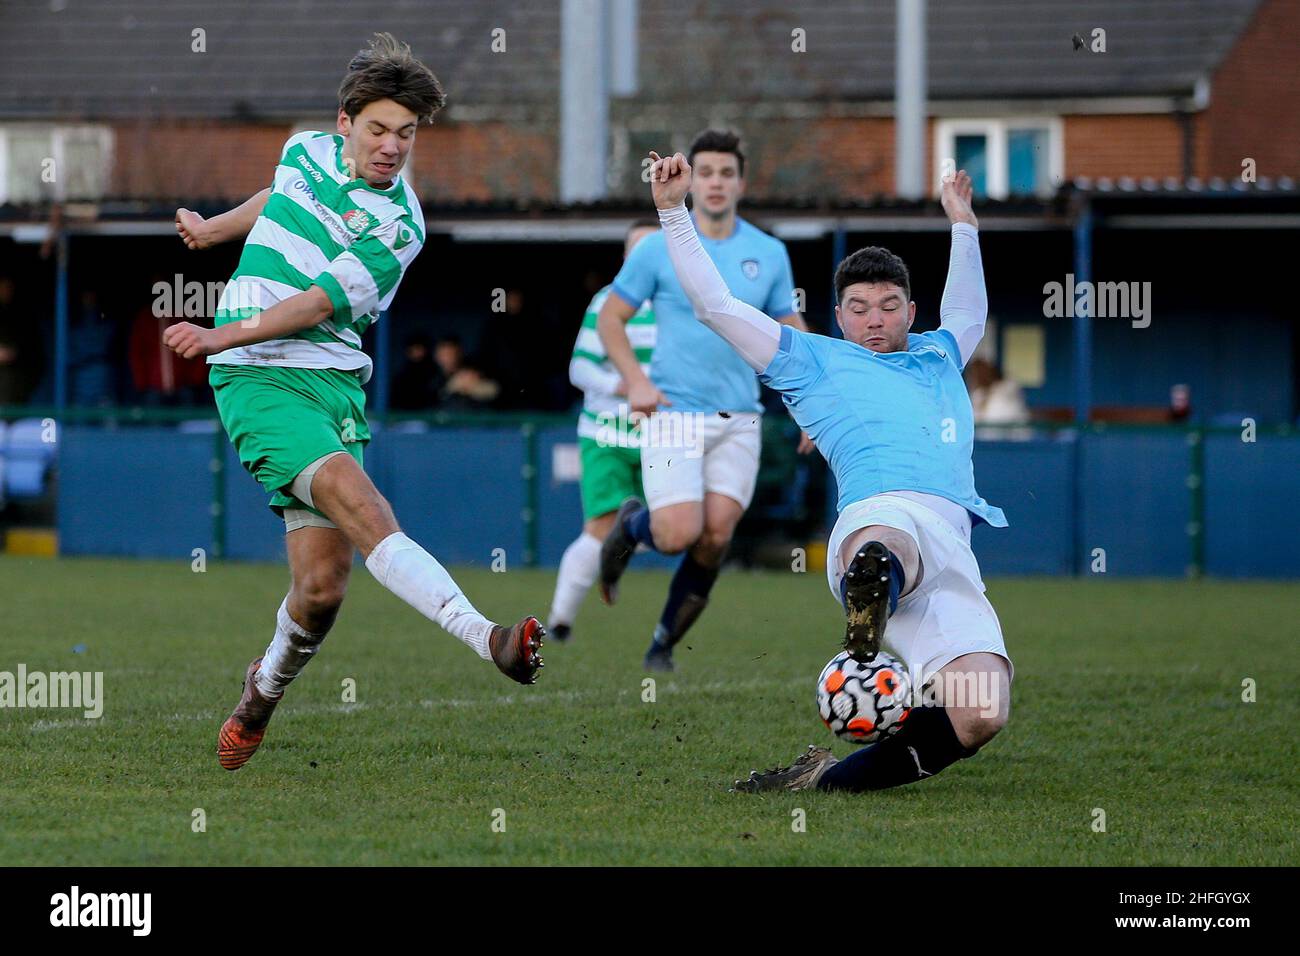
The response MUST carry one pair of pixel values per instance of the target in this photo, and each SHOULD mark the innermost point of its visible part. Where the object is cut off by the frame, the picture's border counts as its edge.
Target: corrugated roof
(106, 58)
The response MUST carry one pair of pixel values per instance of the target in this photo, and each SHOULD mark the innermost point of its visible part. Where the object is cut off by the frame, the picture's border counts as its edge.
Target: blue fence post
(382, 363)
(1082, 368)
(218, 505)
(61, 322)
(1077, 560)
(532, 498)
(839, 243)
(1082, 317)
(1196, 509)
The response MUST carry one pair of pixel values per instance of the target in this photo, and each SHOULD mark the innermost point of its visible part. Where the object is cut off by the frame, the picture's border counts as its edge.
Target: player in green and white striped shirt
(328, 245)
(608, 443)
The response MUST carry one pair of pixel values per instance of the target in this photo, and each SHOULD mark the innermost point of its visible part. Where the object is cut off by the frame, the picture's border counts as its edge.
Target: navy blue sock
(897, 581)
(687, 595)
(637, 527)
(926, 744)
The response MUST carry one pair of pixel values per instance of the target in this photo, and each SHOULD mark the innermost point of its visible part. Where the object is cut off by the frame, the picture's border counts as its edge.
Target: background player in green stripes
(608, 444)
(322, 260)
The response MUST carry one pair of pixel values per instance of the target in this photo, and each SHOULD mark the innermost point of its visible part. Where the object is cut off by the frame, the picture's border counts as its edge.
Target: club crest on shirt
(750, 268)
(357, 220)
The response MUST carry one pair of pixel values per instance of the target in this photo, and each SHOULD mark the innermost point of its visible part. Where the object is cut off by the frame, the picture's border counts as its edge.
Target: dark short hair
(638, 224)
(387, 70)
(872, 264)
(717, 141)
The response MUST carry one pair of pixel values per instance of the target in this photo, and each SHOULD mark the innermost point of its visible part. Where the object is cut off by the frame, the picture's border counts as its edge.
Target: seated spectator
(466, 388)
(995, 400)
(469, 390)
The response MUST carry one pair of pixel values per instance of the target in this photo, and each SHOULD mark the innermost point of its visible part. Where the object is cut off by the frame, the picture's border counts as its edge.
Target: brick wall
(194, 160)
(1254, 111)
(1115, 146)
(191, 161)
(1254, 106)
(821, 159)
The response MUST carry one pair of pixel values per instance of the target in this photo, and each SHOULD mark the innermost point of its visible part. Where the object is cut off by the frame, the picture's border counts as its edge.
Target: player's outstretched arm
(965, 304)
(747, 330)
(298, 312)
(199, 233)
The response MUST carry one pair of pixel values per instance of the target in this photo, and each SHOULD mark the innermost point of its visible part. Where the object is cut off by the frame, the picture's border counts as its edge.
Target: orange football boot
(515, 650)
(243, 730)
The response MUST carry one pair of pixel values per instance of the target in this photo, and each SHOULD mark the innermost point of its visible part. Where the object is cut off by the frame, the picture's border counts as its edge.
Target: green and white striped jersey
(322, 227)
(591, 370)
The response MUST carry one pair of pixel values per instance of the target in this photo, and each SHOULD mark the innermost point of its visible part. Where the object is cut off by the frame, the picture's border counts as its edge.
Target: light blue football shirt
(693, 366)
(891, 421)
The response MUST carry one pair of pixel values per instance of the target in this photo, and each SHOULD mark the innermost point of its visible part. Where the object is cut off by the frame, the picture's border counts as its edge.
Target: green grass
(1127, 697)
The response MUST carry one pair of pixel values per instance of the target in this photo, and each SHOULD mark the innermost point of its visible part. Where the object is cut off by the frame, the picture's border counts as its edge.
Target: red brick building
(191, 100)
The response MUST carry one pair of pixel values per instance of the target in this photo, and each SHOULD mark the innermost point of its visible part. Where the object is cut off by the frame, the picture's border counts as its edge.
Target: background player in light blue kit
(700, 448)
(889, 411)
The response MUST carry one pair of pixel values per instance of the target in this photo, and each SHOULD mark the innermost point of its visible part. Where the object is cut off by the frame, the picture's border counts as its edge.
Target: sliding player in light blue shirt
(889, 411)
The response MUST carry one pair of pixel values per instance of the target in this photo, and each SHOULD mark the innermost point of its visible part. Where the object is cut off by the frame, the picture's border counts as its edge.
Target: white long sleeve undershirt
(757, 336)
(587, 376)
(747, 330)
(965, 303)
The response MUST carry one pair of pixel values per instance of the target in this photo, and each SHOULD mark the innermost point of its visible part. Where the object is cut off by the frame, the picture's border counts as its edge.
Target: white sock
(578, 570)
(415, 576)
(288, 653)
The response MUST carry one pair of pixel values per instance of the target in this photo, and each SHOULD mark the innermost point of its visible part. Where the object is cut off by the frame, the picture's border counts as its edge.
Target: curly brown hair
(717, 141)
(387, 70)
(872, 264)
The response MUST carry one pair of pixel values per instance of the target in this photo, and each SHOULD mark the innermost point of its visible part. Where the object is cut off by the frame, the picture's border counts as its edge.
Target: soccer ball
(863, 703)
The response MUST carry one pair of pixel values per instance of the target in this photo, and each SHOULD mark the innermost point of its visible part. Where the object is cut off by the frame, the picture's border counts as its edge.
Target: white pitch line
(672, 688)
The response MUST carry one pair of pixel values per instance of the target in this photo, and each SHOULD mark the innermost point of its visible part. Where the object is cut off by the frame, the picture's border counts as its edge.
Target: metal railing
(529, 425)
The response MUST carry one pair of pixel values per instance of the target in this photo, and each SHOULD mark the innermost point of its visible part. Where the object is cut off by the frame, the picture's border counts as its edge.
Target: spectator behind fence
(20, 347)
(418, 384)
(995, 401)
(158, 375)
(466, 388)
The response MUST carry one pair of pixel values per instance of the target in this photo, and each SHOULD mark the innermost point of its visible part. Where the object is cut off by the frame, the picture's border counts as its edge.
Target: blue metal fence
(1146, 501)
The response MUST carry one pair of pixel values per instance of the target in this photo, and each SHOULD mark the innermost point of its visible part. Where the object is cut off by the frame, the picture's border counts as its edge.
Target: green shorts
(280, 420)
(609, 475)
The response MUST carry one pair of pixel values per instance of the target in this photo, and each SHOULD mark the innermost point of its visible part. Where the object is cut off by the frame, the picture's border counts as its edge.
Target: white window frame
(995, 130)
(58, 133)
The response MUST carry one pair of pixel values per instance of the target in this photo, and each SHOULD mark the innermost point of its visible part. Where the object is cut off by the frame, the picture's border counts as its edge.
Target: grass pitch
(1128, 698)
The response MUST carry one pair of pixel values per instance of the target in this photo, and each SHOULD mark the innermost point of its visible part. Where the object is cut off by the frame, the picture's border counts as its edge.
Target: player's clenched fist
(644, 397)
(670, 179)
(955, 194)
(189, 340)
(192, 228)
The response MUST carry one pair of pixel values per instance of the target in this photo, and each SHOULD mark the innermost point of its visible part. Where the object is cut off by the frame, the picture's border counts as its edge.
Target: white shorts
(688, 454)
(948, 615)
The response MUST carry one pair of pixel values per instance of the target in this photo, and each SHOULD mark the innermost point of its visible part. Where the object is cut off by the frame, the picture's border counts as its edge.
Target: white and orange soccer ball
(863, 703)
